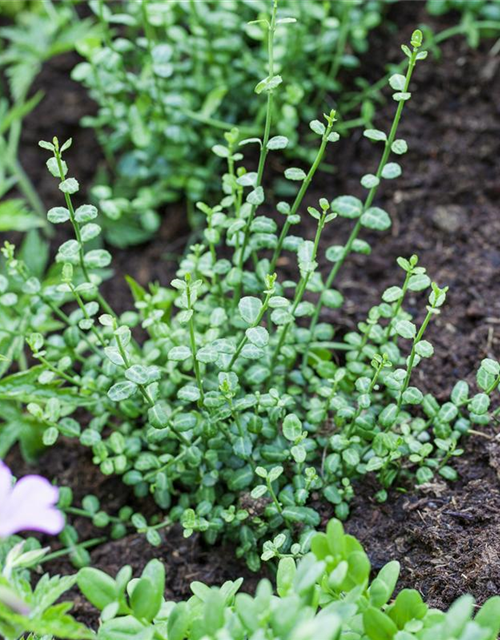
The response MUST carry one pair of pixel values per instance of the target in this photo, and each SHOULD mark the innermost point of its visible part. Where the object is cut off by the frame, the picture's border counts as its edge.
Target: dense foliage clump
(240, 410)
(170, 79)
(233, 402)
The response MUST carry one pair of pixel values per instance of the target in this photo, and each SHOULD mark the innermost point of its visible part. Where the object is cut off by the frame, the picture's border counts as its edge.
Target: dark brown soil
(446, 538)
(446, 209)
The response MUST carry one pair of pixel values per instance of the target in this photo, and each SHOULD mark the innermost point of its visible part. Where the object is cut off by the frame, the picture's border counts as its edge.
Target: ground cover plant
(228, 399)
(170, 80)
(232, 411)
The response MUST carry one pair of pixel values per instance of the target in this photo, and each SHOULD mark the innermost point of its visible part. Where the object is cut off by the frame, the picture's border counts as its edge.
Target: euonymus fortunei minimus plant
(174, 78)
(239, 411)
(168, 78)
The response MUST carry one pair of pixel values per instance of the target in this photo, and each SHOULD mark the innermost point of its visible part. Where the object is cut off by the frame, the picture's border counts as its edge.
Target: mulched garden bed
(446, 209)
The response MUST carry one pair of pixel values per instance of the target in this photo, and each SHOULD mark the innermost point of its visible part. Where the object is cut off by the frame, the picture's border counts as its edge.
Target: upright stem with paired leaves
(370, 197)
(265, 306)
(192, 338)
(303, 189)
(411, 358)
(304, 280)
(76, 229)
(264, 151)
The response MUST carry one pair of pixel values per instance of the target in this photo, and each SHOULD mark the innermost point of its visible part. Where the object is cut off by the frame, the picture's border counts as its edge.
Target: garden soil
(445, 208)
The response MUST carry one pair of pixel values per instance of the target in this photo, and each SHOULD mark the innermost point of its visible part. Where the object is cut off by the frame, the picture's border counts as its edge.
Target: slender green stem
(126, 359)
(160, 525)
(413, 353)
(244, 339)
(301, 289)
(399, 304)
(264, 151)
(60, 373)
(359, 410)
(300, 196)
(274, 497)
(368, 201)
(86, 315)
(192, 340)
(95, 542)
(75, 511)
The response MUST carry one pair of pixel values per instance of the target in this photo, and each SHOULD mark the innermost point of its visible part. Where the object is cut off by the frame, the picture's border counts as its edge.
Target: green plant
(11, 9)
(168, 80)
(25, 609)
(234, 412)
(327, 595)
(482, 8)
(36, 37)
(478, 18)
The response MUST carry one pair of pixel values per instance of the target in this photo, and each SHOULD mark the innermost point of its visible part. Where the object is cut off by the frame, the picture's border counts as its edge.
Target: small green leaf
(85, 213)
(295, 174)
(318, 127)
(424, 349)
(375, 135)
(399, 147)
(97, 259)
(138, 374)
(369, 181)
(258, 336)
(99, 588)
(388, 416)
(269, 84)
(419, 282)
(348, 206)
(391, 170)
(256, 197)
(406, 329)
(480, 404)
(393, 294)
(376, 219)
(460, 392)
(397, 82)
(250, 309)
(292, 427)
(401, 97)
(69, 186)
(90, 231)
(179, 354)
(122, 390)
(278, 142)
(412, 395)
(57, 215)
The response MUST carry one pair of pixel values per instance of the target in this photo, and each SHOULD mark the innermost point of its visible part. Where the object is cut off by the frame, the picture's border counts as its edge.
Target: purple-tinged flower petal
(5, 482)
(31, 507)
